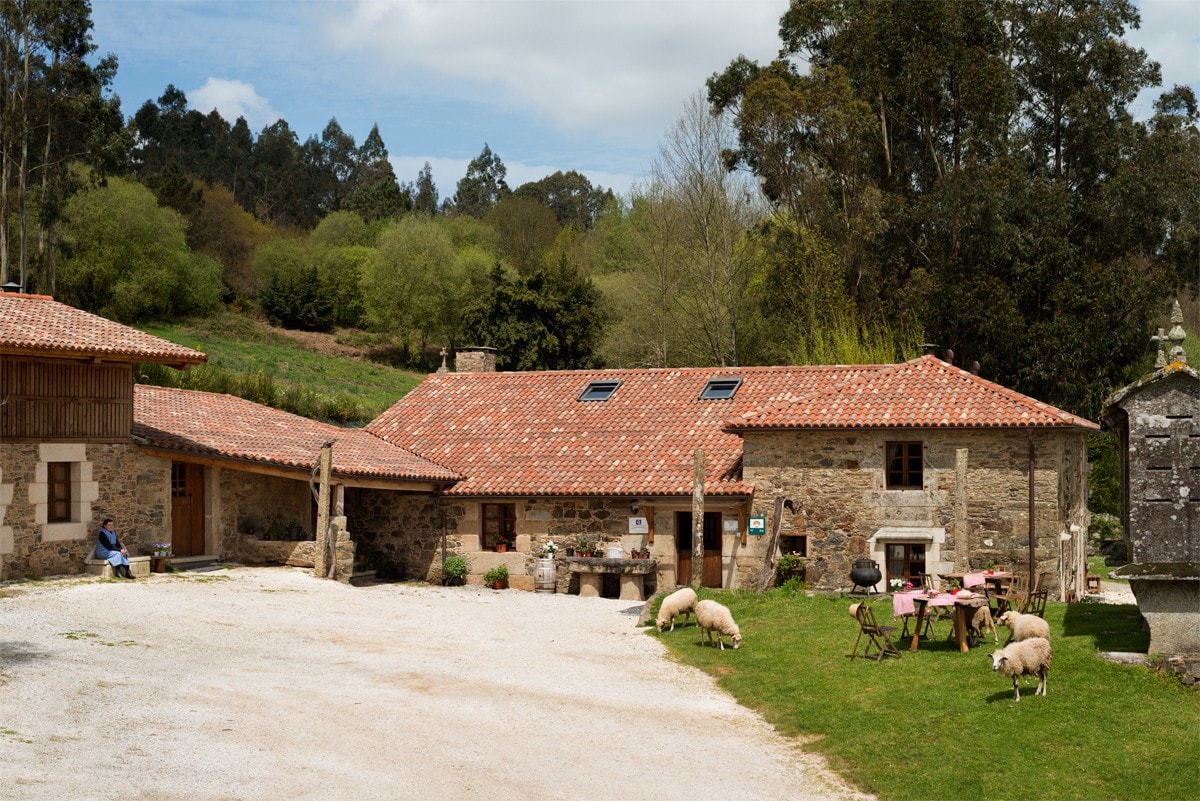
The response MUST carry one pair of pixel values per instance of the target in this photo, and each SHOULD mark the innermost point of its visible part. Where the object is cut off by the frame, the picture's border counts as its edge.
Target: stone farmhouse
(921, 466)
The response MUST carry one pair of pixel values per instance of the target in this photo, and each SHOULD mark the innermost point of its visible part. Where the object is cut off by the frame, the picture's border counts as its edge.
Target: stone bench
(592, 570)
(139, 566)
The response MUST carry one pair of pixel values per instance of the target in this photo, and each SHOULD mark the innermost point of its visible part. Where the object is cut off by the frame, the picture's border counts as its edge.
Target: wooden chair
(878, 637)
(1036, 605)
(1012, 594)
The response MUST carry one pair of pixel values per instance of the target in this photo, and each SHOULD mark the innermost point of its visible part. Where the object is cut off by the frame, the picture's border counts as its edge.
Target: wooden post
(742, 522)
(698, 519)
(323, 527)
(649, 512)
(1032, 528)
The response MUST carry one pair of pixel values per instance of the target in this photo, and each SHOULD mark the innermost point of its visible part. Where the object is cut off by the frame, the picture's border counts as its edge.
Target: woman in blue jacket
(110, 548)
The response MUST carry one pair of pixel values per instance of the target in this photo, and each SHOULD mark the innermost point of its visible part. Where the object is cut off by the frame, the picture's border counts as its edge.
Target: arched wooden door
(187, 509)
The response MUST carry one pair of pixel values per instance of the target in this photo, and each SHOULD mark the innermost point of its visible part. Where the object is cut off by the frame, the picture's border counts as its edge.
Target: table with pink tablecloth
(916, 601)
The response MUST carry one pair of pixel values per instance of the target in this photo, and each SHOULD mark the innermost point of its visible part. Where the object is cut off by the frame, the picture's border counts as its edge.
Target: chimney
(930, 349)
(475, 360)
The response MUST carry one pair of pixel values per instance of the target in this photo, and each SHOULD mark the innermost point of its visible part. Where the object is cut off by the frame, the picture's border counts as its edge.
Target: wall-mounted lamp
(634, 506)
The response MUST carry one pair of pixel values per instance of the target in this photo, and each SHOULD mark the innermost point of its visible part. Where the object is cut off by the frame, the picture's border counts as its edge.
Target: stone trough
(591, 572)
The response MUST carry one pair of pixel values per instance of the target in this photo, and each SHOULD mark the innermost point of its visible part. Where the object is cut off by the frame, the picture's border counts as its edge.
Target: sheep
(981, 620)
(1024, 626)
(711, 616)
(680, 602)
(1031, 656)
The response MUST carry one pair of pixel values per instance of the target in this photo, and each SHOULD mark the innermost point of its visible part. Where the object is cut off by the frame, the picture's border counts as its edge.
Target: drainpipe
(1032, 533)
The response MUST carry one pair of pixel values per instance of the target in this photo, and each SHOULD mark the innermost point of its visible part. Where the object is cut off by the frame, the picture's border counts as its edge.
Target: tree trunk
(698, 520)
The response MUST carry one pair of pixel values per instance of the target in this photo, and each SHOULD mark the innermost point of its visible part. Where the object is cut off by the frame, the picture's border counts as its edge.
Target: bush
(454, 570)
(498, 573)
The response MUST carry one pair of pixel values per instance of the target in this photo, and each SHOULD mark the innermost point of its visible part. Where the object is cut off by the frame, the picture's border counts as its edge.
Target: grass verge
(939, 724)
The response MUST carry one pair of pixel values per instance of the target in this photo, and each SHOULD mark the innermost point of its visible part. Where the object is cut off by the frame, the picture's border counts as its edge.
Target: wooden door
(683, 548)
(712, 550)
(187, 509)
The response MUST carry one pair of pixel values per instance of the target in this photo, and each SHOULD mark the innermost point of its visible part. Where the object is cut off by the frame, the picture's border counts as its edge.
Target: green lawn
(241, 347)
(939, 724)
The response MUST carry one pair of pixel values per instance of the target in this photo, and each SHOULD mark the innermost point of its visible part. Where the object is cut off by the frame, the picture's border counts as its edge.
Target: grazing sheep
(680, 602)
(1030, 656)
(981, 620)
(711, 616)
(1024, 627)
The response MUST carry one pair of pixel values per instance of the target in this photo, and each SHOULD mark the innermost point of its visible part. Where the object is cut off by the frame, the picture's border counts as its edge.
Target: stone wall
(973, 507)
(1163, 489)
(114, 480)
(250, 505)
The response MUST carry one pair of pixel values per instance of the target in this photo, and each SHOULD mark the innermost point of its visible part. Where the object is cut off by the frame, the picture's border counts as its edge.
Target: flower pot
(501, 548)
(158, 564)
(499, 585)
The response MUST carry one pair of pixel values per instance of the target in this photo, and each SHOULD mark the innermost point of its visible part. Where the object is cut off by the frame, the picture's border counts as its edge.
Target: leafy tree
(290, 291)
(483, 186)
(526, 229)
(223, 230)
(341, 229)
(376, 194)
(570, 196)
(425, 198)
(416, 283)
(1001, 195)
(126, 258)
(551, 320)
(340, 270)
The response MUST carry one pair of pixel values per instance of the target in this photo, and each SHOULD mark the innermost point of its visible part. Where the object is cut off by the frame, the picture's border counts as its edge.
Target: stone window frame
(932, 537)
(908, 480)
(84, 491)
(7, 539)
(59, 492)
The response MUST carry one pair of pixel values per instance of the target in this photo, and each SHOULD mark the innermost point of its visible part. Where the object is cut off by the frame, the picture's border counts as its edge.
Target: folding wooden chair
(1012, 595)
(878, 637)
(1036, 605)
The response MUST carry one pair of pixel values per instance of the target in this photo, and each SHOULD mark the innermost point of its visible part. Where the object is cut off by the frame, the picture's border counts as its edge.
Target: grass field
(244, 347)
(939, 724)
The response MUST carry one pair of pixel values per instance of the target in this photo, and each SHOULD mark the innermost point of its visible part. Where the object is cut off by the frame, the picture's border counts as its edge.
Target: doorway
(187, 509)
(710, 575)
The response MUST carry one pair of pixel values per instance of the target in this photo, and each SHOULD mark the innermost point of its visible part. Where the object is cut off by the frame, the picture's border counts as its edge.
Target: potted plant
(454, 571)
(789, 565)
(497, 577)
(161, 553)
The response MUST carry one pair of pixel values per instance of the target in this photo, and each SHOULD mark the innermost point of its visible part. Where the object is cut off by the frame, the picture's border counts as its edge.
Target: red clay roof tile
(922, 393)
(222, 426)
(40, 325)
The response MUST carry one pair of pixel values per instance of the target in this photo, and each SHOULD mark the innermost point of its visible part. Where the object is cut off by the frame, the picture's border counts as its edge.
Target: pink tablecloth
(973, 580)
(902, 602)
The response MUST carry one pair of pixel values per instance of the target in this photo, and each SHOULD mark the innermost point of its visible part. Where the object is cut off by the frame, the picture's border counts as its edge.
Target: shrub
(454, 570)
(498, 573)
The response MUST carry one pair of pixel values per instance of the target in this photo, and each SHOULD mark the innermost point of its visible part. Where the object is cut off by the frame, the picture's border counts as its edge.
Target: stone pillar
(590, 585)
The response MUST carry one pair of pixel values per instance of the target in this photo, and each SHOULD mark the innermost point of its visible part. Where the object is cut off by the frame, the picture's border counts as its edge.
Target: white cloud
(616, 68)
(233, 99)
(1170, 35)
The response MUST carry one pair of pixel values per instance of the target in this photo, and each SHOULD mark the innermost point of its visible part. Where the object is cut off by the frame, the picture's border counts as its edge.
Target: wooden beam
(649, 512)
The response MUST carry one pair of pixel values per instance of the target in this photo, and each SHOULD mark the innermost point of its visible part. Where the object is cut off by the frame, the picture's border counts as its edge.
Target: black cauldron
(865, 574)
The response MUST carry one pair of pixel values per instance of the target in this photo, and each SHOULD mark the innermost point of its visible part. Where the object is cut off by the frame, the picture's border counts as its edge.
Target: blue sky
(586, 85)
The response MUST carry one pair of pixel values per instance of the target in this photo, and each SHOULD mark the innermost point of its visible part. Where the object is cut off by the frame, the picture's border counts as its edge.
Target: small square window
(599, 390)
(904, 465)
(720, 388)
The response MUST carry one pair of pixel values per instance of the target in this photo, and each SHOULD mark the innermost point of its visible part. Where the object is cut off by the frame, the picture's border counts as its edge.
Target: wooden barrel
(545, 578)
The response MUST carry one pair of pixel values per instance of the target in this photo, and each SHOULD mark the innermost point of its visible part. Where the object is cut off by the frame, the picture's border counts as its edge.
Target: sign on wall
(730, 525)
(758, 526)
(639, 525)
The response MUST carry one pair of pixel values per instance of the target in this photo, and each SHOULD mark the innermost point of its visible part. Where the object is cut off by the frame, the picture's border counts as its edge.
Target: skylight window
(720, 388)
(599, 390)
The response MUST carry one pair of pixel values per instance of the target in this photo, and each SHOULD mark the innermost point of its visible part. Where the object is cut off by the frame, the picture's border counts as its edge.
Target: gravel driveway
(265, 683)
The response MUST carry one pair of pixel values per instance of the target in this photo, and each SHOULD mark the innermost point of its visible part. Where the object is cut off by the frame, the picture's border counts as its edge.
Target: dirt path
(264, 683)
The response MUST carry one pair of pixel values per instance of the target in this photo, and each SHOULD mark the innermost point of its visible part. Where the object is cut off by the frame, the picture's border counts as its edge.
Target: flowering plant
(162, 549)
(550, 548)
(896, 584)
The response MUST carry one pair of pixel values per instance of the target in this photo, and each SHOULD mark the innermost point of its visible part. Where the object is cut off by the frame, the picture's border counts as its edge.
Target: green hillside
(311, 374)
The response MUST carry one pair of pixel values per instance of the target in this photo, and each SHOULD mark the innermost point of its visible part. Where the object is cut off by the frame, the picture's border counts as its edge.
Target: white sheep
(1030, 657)
(1024, 627)
(680, 602)
(981, 620)
(712, 616)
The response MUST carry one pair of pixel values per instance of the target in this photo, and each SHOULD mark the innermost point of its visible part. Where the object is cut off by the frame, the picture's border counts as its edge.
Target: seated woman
(108, 547)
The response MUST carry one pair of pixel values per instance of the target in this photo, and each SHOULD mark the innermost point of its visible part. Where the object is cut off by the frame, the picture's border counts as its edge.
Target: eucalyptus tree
(483, 186)
(976, 167)
(53, 112)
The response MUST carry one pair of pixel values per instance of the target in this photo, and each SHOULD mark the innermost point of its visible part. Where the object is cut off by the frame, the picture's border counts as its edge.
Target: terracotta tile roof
(922, 393)
(41, 326)
(222, 426)
(527, 434)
